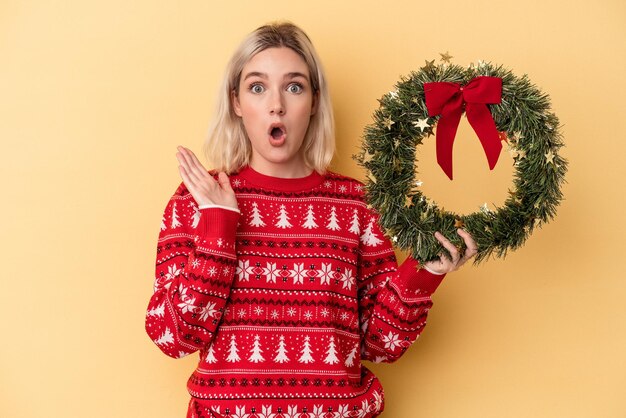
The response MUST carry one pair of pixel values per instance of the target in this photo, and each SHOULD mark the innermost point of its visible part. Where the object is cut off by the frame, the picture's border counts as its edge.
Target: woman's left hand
(447, 265)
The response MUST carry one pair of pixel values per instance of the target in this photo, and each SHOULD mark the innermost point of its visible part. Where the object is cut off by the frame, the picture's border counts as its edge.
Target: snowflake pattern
(347, 279)
(172, 271)
(391, 341)
(186, 302)
(271, 272)
(298, 273)
(208, 311)
(326, 273)
(187, 305)
(244, 270)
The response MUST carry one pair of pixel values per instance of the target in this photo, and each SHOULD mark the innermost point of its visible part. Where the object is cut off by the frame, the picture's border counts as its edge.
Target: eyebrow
(290, 76)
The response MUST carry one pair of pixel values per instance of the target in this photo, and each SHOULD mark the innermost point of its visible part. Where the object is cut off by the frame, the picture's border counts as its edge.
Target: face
(276, 102)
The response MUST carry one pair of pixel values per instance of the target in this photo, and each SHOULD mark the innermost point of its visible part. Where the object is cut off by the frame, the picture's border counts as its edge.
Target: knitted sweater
(284, 299)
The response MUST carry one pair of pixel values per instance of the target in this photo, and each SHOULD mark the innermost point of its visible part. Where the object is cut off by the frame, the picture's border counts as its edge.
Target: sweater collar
(281, 184)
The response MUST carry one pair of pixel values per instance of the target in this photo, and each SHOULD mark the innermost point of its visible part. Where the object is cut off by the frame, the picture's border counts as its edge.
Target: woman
(274, 268)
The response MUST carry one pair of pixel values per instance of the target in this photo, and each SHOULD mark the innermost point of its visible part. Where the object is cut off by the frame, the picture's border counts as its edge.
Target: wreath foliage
(525, 121)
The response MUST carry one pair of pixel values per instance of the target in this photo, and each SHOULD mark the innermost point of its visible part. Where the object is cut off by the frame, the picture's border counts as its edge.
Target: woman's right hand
(202, 186)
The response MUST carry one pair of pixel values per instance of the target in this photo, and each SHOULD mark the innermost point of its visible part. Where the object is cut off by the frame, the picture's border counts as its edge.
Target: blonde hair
(227, 146)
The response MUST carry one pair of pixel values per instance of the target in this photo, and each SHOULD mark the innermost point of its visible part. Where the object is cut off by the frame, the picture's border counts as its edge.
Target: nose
(277, 106)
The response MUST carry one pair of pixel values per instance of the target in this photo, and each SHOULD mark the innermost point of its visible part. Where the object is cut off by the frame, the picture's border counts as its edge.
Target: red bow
(449, 100)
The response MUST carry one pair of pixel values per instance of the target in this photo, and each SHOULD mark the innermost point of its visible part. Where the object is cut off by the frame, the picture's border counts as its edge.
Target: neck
(285, 171)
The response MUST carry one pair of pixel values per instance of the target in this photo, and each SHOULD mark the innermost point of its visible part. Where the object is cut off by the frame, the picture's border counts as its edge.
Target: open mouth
(277, 134)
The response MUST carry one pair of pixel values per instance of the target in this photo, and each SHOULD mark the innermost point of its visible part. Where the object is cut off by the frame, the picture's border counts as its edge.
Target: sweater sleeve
(195, 266)
(394, 302)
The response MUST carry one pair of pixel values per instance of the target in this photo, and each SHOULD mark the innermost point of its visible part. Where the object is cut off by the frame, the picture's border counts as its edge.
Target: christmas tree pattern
(355, 228)
(369, 237)
(196, 215)
(305, 356)
(257, 218)
(283, 218)
(175, 222)
(281, 351)
(157, 311)
(310, 219)
(332, 220)
(331, 353)
(166, 338)
(233, 355)
(255, 352)
(210, 356)
(163, 226)
(351, 356)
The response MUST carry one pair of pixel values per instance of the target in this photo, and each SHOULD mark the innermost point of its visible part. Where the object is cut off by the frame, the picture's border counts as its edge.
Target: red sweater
(284, 300)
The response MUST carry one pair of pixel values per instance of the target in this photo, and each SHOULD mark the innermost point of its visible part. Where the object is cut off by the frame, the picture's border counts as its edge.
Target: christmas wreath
(501, 108)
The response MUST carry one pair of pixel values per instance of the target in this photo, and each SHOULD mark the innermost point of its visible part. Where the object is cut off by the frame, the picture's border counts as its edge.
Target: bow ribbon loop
(450, 100)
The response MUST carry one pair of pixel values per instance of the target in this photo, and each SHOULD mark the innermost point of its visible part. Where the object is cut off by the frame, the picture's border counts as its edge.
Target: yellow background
(95, 95)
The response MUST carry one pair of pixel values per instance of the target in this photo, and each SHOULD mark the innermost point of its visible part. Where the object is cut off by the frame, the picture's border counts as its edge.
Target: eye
(295, 88)
(257, 88)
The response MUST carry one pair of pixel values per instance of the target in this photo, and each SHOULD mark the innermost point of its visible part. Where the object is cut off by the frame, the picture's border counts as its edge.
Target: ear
(315, 102)
(235, 102)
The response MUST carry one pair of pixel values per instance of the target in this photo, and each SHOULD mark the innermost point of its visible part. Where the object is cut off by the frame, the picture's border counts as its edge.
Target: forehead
(276, 61)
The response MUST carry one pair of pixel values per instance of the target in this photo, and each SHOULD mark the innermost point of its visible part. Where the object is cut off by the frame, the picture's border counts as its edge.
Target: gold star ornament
(430, 65)
(422, 123)
(446, 57)
(387, 122)
(513, 152)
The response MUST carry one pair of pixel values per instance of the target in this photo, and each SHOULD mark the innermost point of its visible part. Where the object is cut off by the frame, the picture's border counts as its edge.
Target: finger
(193, 188)
(196, 163)
(469, 240)
(224, 181)
(185, 161)
(186, 180)
(197, 166)
(470, 244)
(454, 252)
(181, 156)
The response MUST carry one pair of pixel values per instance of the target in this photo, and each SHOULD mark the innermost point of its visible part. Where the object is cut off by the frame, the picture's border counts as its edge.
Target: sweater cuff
(413, 281)
(217, 228)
